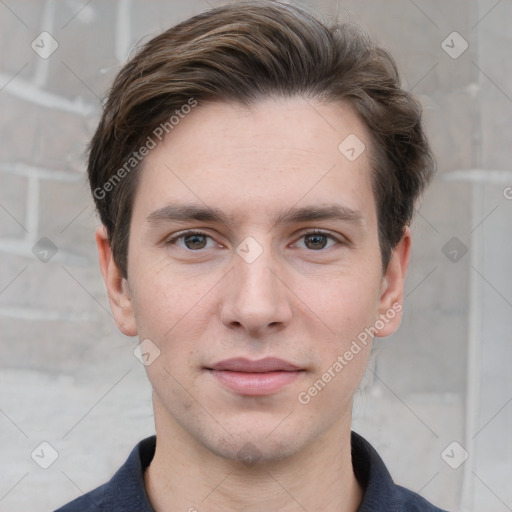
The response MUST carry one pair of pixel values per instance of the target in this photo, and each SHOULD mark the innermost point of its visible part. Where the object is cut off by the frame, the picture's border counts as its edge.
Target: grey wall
(68, 378)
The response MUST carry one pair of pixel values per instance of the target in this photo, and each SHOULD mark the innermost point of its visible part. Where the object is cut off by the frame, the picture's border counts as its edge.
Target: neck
(185, 475)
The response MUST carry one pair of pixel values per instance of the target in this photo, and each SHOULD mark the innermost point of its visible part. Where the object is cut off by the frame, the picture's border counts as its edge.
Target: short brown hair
(242, 52)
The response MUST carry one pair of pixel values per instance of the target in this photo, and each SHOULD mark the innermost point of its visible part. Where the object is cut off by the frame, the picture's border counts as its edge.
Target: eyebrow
(188, 212)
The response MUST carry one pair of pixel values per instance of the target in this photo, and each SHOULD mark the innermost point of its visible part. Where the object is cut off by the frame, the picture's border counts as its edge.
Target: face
(254, 269)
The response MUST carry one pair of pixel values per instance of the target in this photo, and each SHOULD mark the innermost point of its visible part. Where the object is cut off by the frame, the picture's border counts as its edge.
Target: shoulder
(97, 500)
(125, 491)
(412, 502)
(380, 493)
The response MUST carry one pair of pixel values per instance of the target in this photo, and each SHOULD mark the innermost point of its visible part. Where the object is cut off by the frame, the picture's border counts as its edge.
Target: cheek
(165, 303)
(174, 314)
(347, 304)
(348, 310)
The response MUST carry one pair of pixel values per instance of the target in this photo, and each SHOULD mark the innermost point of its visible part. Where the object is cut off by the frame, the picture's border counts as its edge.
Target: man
(256, 173)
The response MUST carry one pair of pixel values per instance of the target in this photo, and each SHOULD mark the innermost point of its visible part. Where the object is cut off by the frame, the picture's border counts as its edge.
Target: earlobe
(117, 286)
(392, 294)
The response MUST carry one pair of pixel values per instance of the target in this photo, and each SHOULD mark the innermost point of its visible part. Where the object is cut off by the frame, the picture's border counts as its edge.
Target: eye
(317, 240)
(193, 240)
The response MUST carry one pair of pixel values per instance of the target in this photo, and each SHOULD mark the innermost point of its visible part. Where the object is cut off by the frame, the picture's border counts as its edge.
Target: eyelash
(183, 234)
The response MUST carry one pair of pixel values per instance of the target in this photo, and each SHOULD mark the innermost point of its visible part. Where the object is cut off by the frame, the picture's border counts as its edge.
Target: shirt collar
(379, 491)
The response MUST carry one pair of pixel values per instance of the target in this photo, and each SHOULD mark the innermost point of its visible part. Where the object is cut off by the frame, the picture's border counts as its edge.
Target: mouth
(255, 378)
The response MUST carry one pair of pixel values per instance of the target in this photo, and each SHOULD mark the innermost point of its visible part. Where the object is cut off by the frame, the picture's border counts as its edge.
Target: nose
(257, 298)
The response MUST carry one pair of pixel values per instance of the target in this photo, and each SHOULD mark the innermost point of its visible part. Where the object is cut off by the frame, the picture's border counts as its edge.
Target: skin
(304, 300)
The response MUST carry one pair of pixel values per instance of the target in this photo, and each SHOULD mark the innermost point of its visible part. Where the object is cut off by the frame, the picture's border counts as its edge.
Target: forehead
(267, 157)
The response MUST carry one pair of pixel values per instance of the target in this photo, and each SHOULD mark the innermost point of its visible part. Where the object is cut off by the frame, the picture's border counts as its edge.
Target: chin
(255, 448)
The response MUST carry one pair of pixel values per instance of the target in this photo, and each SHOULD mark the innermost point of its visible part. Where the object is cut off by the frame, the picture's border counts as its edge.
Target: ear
(117, 286)
(392, 292)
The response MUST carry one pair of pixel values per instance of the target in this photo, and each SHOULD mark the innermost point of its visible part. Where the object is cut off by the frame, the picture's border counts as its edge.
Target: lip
(255, 378)
(241, 364)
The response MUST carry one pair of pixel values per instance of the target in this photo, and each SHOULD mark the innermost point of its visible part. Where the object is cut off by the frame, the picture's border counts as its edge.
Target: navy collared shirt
(125, 492)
